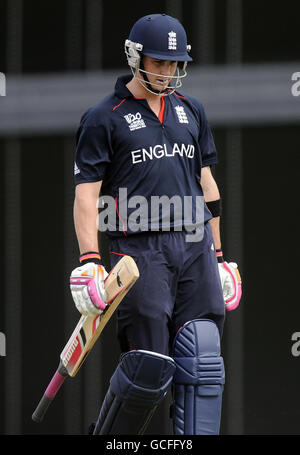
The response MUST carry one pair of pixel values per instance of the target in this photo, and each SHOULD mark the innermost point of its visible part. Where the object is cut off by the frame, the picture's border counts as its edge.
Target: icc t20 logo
(132, 118)
(135, 121)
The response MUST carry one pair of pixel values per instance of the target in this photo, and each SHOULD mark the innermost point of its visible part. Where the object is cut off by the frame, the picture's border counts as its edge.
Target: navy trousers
(179, 281)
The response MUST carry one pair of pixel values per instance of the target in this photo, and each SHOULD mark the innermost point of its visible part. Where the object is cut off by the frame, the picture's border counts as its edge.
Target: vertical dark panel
(220, 30)
(43, 36)
(3, 32)
(14, 36)
(42, 275)
(234, 32)
(271, 31)
(13, 296)
(93, 34)
(234, 326)
(271, 303)
(174, 8)
(12, 233)
(202, 32)
(73, 36)
(2, 291)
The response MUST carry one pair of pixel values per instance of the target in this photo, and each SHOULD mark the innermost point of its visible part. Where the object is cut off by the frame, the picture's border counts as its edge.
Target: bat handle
(55, 384)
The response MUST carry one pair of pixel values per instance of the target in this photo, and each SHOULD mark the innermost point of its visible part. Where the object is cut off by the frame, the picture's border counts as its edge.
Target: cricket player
(149, 142)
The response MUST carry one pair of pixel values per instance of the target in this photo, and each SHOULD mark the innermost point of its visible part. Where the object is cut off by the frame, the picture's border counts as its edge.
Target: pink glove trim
(237, 290)
(92, 290)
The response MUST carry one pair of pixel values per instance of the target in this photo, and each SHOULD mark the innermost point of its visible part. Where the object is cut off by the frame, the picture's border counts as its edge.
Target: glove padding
(87, 288)
(231, 284)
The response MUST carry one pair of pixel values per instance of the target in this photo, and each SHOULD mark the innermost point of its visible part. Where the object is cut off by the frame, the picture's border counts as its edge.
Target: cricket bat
(118, 282)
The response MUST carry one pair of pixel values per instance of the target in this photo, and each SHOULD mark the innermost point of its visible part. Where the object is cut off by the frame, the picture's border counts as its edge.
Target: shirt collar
(121, 91)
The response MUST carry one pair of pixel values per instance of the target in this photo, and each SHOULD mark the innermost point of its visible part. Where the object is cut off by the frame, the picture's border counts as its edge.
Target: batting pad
(138, 385)
(198, 380)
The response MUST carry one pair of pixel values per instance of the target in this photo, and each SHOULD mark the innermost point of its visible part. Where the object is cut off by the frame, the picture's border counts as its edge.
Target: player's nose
(167, 68)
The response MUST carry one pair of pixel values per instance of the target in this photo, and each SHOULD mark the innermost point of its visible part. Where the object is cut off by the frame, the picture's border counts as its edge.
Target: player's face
(163, 71)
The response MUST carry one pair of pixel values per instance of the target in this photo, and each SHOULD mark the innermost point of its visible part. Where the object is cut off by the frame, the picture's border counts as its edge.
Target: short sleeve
(206, 141)
(93, 153)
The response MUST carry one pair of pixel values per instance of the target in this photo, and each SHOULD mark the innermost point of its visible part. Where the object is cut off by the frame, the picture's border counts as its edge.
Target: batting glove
(231, 282)
(87, 288)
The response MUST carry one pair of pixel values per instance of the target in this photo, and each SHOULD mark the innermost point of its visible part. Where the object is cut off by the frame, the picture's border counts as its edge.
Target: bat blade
(117, 284)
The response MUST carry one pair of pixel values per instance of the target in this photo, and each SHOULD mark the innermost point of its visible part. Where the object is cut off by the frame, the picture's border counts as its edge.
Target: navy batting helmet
(161, 37)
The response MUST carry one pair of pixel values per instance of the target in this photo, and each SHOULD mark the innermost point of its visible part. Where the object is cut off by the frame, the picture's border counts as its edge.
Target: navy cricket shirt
(122, 142)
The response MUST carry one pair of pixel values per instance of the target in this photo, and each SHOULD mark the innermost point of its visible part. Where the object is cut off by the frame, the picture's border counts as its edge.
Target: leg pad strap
(199, 378)
(138, 385)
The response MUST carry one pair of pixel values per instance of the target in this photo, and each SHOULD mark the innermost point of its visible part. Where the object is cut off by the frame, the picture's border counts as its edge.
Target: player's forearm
(211, 193)
(215, 227)
(85, 220)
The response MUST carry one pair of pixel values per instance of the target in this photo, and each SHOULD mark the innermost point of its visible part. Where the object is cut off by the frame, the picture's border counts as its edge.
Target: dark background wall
(258, 175)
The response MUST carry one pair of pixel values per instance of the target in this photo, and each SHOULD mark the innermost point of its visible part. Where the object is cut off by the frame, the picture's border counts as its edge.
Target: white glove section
(231, 284)
(87, 288)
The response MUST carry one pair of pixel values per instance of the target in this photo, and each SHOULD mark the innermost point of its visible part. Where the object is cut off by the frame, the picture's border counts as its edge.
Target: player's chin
(160, 86)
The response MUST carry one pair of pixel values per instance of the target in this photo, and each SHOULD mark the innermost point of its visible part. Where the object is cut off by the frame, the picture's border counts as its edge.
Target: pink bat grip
(55, 384)
(52, 389)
